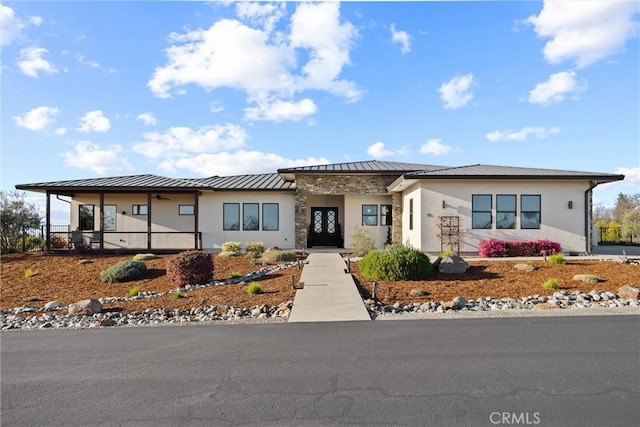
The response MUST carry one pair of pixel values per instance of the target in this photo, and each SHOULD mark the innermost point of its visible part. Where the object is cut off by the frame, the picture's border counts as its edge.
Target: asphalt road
(569, 371)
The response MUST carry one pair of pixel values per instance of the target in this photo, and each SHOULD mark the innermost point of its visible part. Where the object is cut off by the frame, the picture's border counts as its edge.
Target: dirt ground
(64, 279)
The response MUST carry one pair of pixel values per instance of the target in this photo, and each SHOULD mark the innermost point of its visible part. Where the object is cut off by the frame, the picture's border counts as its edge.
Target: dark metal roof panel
(259, 182)
(497, 172)
(373, 166)
(137, 182)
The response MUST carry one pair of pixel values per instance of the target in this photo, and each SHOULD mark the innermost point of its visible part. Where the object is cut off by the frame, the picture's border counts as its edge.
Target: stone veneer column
(396, 218)
(300, 218)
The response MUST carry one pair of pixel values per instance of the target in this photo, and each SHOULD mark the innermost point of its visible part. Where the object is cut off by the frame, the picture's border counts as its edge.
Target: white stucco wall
(558, 222)
(412, 237)
(353, 217)
(211, 216)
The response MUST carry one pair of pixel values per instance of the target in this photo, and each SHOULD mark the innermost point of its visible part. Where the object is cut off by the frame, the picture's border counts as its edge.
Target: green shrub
(395, 262)
(143, 257)
(277, 255)
(134, 291)
(551, 284)
(235, 275)
(363, 241)
(586, 278)
(255, 247)
(254, 288)
(177, 295)
(30, 273)
(190, 268)
(231, 247)
(124, 271)
(557, 259)
(446, 253)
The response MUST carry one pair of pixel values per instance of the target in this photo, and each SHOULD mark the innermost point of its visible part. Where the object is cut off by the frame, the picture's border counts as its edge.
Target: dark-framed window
(186, 210)
(139, 210)
(481, 205)
(385, 215)
(410, 214)
(370, 215)
(86, 217)
(231, 216)
(270, 216)
(530, 208)
(505, 211)
(250, 216)
(110, 216)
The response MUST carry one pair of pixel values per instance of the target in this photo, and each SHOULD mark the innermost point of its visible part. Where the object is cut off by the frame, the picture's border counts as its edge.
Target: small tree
(363, 241)
(631, 224)
(16, 216)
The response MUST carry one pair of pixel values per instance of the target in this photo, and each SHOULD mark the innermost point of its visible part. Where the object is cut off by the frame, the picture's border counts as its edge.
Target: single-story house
(433, 208)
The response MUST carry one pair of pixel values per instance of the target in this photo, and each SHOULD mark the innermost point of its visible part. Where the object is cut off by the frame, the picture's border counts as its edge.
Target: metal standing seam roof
(258, 182)
(370, 166)
(137, 182)
(509, 172)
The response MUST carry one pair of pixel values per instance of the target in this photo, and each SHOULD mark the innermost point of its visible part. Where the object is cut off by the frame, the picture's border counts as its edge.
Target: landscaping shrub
(557, 259)
(231, 247)
(190, 268)
(446, 253)
(277, 255)
(134, 291)
(548, 247)
(363, 241)
(255, 247)
(124, 271)
(395, 262)
(522, 248)
(144, 257)
(492, 248)
(551, 284)
(235, 275)
(254, 288)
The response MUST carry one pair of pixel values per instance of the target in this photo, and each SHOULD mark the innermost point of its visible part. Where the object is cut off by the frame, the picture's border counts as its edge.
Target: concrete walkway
(329, 293)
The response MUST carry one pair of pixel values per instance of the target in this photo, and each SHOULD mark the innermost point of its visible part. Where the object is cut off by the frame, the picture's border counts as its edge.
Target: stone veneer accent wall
(308, 184)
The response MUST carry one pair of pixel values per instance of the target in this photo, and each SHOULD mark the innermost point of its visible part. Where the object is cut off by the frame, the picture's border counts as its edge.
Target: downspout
(587, 216)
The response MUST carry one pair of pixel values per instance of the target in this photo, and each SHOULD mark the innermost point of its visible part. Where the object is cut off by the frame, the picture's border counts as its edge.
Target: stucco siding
(353, 218)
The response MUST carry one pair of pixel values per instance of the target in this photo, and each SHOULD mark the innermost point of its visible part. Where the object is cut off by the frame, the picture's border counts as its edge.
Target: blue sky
(194, 89)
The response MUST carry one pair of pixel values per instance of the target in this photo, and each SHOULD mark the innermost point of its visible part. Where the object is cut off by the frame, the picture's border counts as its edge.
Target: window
(186, 210)
(369, 214)
(270, 217)
(250, 214)
(506, 211)
(530, 211)
(410, 214)
(140, 210)
(231, 216)
(110, 214)
(481, 211)
(85, 217)
(385, 215)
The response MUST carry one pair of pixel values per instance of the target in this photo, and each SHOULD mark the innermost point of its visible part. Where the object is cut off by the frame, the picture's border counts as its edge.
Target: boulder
(51, 305)
(453, 264)
(628, 292)
(461, 301)
(417, 293)
(434, 260)
(86, 307)
(450, 305)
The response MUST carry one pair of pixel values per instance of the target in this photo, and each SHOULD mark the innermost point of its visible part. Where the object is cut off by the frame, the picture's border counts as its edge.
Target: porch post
(101, 224)
(48, 223)
(300, 218)
(396, 218)
(149, 213)
(195, 220)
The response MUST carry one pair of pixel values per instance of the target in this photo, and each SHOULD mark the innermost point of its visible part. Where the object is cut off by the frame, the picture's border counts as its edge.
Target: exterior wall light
(570, 204)
(444, 204)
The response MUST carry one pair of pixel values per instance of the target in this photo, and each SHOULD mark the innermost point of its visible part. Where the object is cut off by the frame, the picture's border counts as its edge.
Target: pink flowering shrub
(498, 248)
(492, 248)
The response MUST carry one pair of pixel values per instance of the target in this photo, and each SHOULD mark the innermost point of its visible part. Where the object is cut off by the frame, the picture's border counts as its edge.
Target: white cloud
(260, 61)
(37, 119)
(377, 151)
(216, 107)
(435, 147)
(60, 131)
(265, 14)
(93, 157)
(584, 31)
(402, 38)
(522, 134)
(89, 63)
(236, 163)
(181, 142)
(94, 121)
(31, 61)
(11, 26)
(147, 119)
(556, 88)
(456, 92)
(278, 111)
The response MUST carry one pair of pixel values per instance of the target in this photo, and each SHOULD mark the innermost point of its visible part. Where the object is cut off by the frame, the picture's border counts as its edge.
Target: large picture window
(110, 215)
(270, 216)
(250, 216)
(86, 217)
(370, 215)
(530, 211)
(385, 215)
(481, 211)
(231, 216)
(506, 211)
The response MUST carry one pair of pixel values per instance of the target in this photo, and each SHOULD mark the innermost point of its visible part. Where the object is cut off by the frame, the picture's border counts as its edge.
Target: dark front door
(325, 230)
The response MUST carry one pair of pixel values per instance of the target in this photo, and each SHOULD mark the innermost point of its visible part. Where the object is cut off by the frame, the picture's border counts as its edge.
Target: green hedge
(124, 271)
(395, 262)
